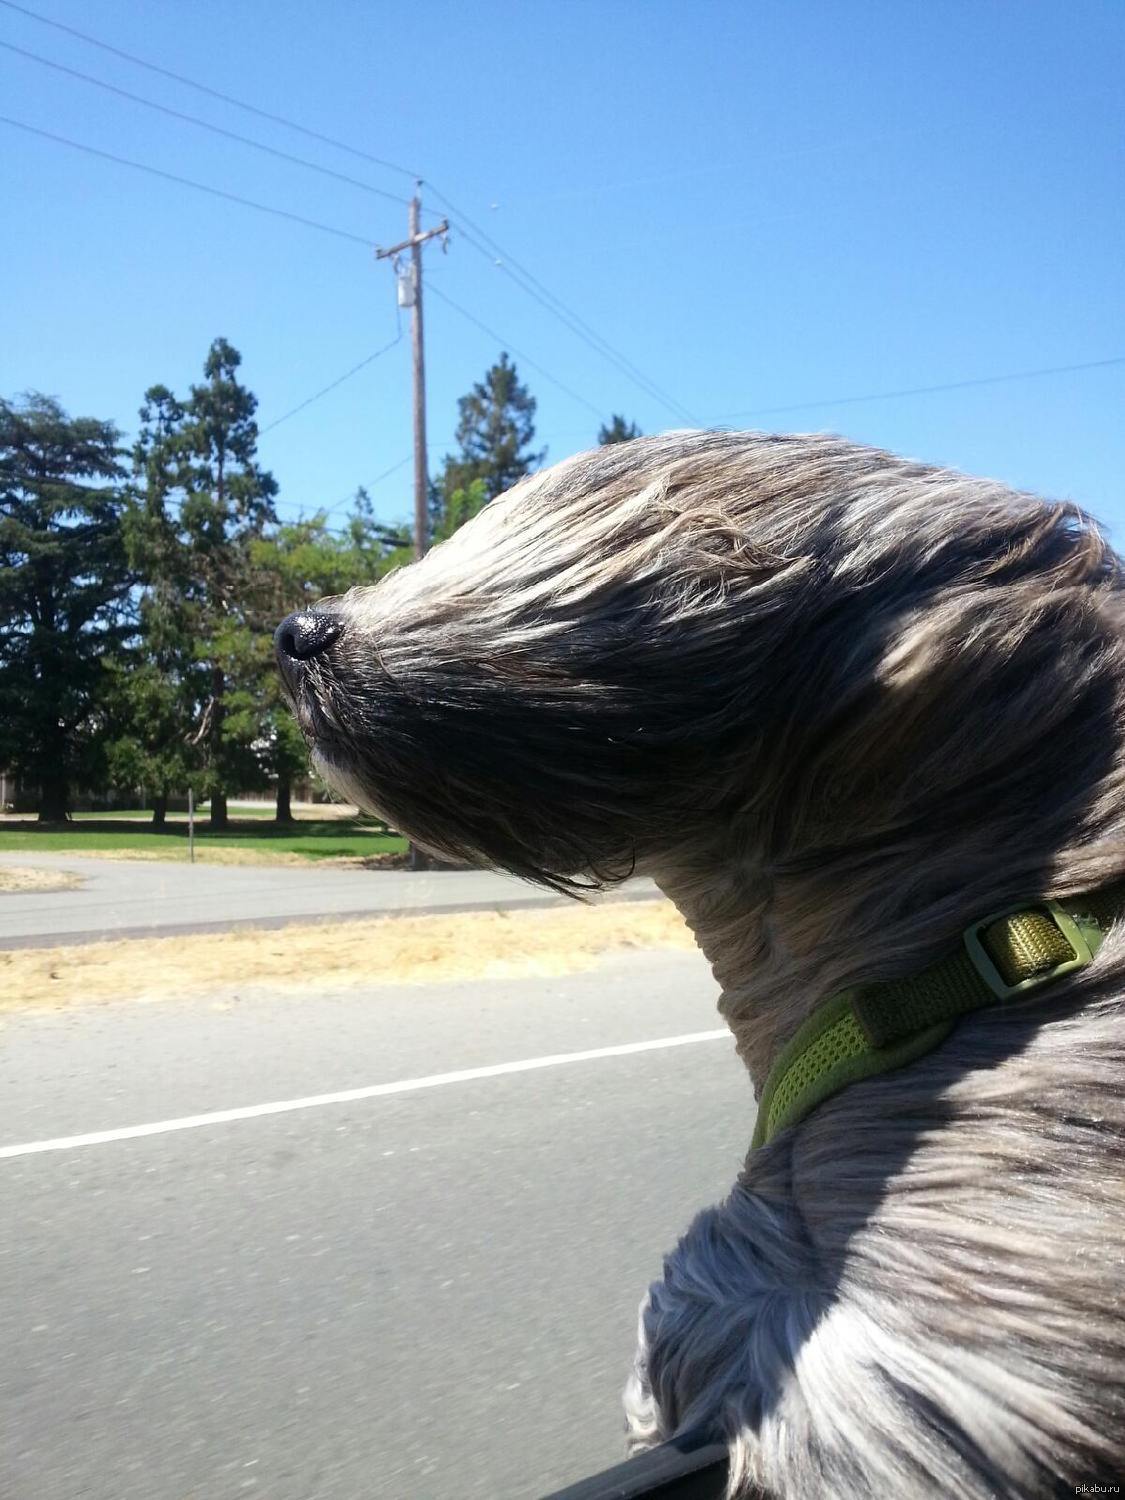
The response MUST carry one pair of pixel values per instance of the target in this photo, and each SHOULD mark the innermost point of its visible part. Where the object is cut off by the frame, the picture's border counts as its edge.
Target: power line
(509, 266)
(386, 474)
(576, 328)
(347, 375)
(349, 499)
(371, 484)
(295, 218)
(200, 187)
(507, 343)
(176, 114)
(203, 88)
(555, 305)
(929, 390)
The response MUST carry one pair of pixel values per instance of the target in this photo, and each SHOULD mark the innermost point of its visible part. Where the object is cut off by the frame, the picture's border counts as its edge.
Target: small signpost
(191, 825)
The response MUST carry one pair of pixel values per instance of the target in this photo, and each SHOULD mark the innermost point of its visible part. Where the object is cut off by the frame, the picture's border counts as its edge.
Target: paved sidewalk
(147, 898)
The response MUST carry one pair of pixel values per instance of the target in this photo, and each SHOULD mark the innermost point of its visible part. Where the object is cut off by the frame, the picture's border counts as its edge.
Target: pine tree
(156, 696)
(495, 431)
(204, 501)
(617, 430)
(64, 593)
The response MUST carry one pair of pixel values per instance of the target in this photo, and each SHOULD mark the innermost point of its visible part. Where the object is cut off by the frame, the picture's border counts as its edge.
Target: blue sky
(760, 205)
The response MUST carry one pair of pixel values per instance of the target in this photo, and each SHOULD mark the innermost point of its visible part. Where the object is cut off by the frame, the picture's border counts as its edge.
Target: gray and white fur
(838, 704)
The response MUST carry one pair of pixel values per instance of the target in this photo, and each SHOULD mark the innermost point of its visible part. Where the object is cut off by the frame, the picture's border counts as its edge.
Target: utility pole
(416, 238)
(414, 242)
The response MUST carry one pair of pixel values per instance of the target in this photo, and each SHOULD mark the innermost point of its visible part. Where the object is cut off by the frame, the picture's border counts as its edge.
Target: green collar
(876, 1027)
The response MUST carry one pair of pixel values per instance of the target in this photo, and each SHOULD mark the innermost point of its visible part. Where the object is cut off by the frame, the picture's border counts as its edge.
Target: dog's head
(639, 646)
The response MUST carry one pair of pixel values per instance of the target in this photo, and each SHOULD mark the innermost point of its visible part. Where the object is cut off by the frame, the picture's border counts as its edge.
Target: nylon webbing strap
(1103, 907)
(877, 1027)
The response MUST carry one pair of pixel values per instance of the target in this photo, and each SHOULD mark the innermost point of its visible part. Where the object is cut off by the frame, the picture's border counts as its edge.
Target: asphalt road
(133, 898)
(416, 1295)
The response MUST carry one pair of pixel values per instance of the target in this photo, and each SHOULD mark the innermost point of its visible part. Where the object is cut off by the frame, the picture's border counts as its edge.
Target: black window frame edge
(682, 1469)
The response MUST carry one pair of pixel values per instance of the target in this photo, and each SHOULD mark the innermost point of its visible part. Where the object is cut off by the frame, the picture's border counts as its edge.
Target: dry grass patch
(390, 950)
(224, 854)
(20, 878)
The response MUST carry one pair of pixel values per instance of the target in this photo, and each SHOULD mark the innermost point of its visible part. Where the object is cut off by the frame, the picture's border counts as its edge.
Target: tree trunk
(218, 798)
(159, 808)
(284, 812)
(54, 800)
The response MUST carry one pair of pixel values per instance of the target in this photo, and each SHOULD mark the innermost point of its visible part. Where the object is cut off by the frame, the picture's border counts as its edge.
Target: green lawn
(333, 838)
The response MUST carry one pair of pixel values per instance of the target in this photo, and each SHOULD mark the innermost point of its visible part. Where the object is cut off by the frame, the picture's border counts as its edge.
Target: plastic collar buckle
(985, 966)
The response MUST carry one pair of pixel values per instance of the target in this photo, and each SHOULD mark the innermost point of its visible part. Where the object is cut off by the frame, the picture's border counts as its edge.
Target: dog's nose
(305, 634)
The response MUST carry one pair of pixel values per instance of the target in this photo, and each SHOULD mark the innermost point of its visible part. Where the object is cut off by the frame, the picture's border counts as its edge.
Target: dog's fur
(838, 704)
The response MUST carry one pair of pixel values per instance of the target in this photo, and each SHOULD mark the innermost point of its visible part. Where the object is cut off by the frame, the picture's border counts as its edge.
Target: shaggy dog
(839, 705)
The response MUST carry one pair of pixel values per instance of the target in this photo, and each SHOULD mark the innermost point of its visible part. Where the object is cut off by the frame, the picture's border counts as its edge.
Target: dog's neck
(860, 844)
(781, 942)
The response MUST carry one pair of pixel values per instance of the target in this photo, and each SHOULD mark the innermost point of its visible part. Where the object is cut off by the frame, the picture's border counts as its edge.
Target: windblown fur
(838, 705)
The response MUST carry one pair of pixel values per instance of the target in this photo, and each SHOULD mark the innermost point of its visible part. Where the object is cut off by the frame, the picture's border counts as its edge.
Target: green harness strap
(876, 1027)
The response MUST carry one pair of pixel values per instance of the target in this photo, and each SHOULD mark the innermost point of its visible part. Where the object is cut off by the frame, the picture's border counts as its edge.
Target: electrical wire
(203, 88)
(508, 265)
(231, 135)
(535, 288)
(299, 219)
(370, 485)
(929, 390)
(432, 291)
(200, 187)
(347, 375)
(513, 268)
(349, 499)
(670, 403)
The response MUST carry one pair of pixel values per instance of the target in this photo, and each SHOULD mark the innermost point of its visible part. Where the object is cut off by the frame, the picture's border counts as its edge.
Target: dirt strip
(15, 879)
(388, 950)
(223, 854)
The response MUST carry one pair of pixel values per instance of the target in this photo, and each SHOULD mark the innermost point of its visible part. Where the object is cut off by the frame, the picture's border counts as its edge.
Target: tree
(64, 593)
(461, 506)
(373, 547)
(155, 696)
(149, 712)
(618, 431)
(495, 431)
(204, 501)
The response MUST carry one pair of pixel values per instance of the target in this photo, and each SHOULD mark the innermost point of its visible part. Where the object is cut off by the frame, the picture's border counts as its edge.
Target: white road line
(350, 1096)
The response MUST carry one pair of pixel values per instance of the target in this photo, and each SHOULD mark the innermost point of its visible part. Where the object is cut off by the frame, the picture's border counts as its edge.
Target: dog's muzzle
(299, 642)
(299, 639)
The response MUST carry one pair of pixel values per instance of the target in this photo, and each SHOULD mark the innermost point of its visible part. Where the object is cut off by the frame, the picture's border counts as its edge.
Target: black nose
(305, 634)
